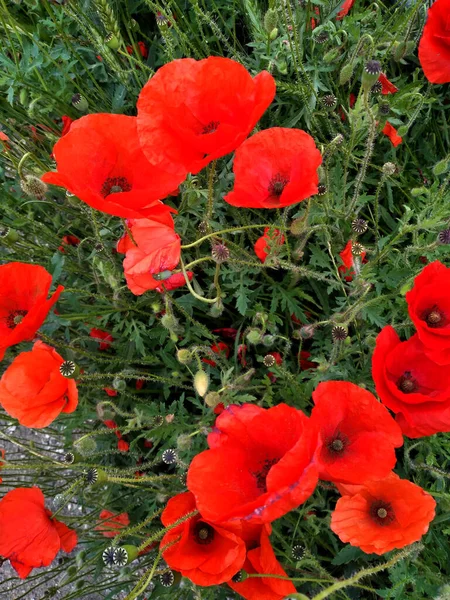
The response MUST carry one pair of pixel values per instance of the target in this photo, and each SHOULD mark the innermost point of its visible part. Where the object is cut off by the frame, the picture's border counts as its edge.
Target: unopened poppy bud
(244, 378)
(72, 570)
(307, 332)
(86, 446)
(331, 55)
(33, 186)
(213, 399)
(79, 102)
(80, 558)
(169, 321)
(184, 356)
(119, 384)
(273, 34)
(402, 130)
(406, 287)
(298, 226)
(69, 369)
(441, 167)
(254, 336)
(8, 235)
(399, 50)
(371, 72)
(23, 97)
(156, 307)
(346, 73)
(111, 41)
(389, 168)
(282, 67)
(420, 191)
(184, 442)
(268, 340)
(201, 383)
(270, 20)
(134, 25)
(217, 308)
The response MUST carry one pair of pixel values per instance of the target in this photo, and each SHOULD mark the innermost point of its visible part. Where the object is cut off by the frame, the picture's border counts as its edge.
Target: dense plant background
(52, 50)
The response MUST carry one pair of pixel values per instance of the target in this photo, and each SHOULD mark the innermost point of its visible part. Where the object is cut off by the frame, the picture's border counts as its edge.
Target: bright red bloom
(142, 50)
(264, 244)
(111, 523)
(218, 410)
(3, 137)
(192, 112)
(33, 390)
(429, 309)
(346, 6)
(123, 446)
(24, 305)
(120, 181)
(259, 466)
(357, 435)
(263, 560)
(151, 256)
(111, 392)
(411, 385)
(220, 348)
(305, 363)
(390, 131)
(434, 46)
(30, 538)
(104, 338)
(207, 553)
(69, 240)
(66, 124)
(274, 168)
(349, 261)
(382, 515)
(226, 332)
(386, 86)
(140, 384)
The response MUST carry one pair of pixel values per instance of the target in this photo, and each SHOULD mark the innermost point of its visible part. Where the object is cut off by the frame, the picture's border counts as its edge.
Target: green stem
(222, 231)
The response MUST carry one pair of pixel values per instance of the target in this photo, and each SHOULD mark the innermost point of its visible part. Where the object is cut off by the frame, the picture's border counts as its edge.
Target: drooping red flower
(143, 51)
(220, 348)
(390, 131)
(383, 514)
(101, 162)
(111, 523)
(104, 338)
(66, 125)
(274, 168)
(262, 559)
(192, 112)
(434, 45)
(151, 256)
(429, 309)
(29, 537)
(386, 86)
(347, 269)
(259, 465)
(345, 9)
(33, 391)
(357, 435)
(206, 553)
(266, 241)
(411, 385)
(24, 305)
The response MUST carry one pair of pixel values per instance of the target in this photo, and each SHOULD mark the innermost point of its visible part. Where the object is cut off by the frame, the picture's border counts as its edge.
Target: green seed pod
(8, 235)
(270, 20)
(80, 103)
(69, 369)
(346, 73)
(441, 167)
(371, 72)
(132, 552)
(23, 97)
(184, 356)
(420, 191)
(111, 41)
(201, 383)
(273, 34)
(213, 399)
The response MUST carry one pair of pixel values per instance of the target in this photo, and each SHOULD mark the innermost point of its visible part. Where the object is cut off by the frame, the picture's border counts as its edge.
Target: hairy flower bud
(254, 336)
(33, 186)
(201, 383)
(346, 73)
(184, 356)
(169, 321)
(270, 20)
(86, 446)
(213, 399)
(441, 167)
(184, 442)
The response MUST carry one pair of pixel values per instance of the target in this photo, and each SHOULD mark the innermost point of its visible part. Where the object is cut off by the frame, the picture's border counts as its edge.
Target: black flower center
(277, 185)
(434, 317)
(382, 512)
(407, 384)
(15, 318)
(261, 475)
(211, 127)
(115, 185)
(337, 444)
(203, 533)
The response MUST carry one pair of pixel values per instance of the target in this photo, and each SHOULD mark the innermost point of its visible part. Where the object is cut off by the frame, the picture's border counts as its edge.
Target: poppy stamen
(261, 475)
(211, 127)
(382, 512)
(277, 185)
(407, 384)
(434, 317)
(203, 533)
(115, 185)
(15, 318)
(337, 444)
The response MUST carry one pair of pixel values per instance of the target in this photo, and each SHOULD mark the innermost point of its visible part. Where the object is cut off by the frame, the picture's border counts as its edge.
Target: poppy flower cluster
(412, 377)
(263, 463)
(189, 114)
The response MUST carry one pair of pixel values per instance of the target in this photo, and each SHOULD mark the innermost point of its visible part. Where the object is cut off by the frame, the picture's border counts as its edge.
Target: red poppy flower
(434, 46)
(265, 243)
(241, 353)
(111, 523)
(120, 181)
(411, 385)
(151, 256)
(142, 50)
(30, 538)
(305, 363)
(218, 410)
(33, 391)
(392, 134)
(314, 21)
(349, 261)
(429, 309)
(346, 6)
(259, 466)
(204, 552)
(226, 332)
(24, 306)
(140, 384)
(386, 86)
(383, 515)
(111, 392)
(66, 124)
(263, 560)
(3, 137)
(274, 168)
(192, 112)
(123, 446)
(104, 338)
(357, 435)
(69, 240)
(2, 454)
(220, 348)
